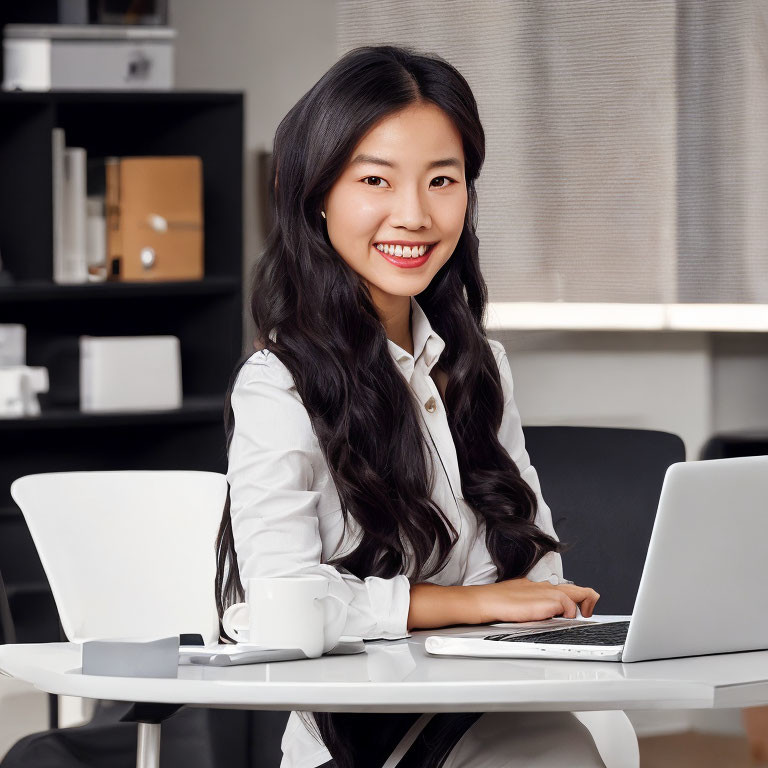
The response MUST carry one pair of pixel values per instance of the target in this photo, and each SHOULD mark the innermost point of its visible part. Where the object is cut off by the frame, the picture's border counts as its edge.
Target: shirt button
(431, 405)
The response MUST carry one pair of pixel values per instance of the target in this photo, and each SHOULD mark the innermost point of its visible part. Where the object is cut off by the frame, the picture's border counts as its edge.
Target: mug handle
(341, 605)
(235, 620)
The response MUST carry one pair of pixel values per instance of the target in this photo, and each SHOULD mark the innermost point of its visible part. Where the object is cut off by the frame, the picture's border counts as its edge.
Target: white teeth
(402, 251)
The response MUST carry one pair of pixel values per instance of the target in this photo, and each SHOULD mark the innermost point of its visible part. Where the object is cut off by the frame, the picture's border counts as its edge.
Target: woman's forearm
(517, 599)
(435, 606)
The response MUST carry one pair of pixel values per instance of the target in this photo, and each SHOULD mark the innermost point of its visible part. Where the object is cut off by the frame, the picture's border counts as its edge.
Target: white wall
(628, 379)
(740, 381)
(690, 383)
(274, 52)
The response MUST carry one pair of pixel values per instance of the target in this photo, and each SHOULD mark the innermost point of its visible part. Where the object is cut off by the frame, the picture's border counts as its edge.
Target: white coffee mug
(284, 612)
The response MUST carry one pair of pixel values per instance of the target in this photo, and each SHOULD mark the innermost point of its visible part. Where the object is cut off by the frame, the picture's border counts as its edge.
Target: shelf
(205, 315)
(194, 410)
(27, 291)
(573, 316)
(110, 96)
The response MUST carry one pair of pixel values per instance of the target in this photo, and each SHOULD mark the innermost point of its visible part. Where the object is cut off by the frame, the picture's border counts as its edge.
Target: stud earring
(322, 213)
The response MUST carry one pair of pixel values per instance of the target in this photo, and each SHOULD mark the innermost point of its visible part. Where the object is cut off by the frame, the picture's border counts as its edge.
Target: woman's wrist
(433, 606)
(481, 609)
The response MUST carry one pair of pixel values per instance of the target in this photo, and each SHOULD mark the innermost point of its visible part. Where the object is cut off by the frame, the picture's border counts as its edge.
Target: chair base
(149, 716)
(148, 746)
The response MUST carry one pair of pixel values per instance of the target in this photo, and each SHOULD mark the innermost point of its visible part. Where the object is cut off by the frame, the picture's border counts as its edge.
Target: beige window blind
(627, 141)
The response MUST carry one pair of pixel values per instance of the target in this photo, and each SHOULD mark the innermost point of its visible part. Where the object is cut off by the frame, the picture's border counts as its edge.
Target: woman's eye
(377, 181)
(371, 181)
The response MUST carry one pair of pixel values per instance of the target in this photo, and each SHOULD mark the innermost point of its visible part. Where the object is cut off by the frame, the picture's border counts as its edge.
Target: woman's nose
(411, 211)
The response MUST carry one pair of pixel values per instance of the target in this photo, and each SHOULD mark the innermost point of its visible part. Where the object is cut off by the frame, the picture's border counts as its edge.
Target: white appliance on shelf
(44, 57)
(19, 387)
(130, 373)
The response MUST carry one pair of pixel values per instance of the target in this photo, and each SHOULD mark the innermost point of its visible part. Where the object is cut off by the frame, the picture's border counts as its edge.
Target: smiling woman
(373, 439)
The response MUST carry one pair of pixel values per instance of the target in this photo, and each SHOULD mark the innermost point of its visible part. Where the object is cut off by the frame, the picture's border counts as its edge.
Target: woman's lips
(406, 263)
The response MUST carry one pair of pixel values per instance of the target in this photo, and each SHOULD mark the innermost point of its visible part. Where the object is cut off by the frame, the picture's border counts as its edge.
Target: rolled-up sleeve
(480, 568)
(274, 501)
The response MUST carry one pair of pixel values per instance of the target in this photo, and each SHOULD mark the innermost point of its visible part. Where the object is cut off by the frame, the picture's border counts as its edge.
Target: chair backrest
(603, 487)
(7, 628)
(127, 553)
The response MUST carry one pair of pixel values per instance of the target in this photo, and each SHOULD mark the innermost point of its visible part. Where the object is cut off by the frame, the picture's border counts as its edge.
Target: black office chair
(7, 629)
(728, 445)
(603, 486)
(188, 741)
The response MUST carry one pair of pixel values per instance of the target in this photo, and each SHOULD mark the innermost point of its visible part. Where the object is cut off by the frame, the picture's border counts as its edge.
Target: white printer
(44, 57)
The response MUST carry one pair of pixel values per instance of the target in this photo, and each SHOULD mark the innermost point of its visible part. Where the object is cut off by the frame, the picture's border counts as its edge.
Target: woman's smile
(405, 254)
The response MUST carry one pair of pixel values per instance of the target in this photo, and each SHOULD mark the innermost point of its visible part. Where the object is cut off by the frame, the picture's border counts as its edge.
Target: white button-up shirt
(286, 513)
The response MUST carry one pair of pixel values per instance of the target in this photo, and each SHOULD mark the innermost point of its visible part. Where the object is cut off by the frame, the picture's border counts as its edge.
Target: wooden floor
(696, 750)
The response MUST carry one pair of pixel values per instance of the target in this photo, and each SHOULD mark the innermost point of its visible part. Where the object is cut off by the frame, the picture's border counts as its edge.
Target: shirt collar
(427, 345)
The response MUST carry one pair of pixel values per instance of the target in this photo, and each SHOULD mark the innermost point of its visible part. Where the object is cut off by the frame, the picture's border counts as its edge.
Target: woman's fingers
(584, 596)
(561, 605)
(592, 603)
(569, 606)
(553, 608)
(575, 592)
(578, 594)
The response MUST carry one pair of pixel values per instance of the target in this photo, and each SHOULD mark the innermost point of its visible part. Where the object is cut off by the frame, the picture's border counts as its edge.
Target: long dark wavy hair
(329, 336)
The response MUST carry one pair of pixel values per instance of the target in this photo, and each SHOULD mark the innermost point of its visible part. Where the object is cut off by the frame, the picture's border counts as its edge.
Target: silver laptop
(703, 588)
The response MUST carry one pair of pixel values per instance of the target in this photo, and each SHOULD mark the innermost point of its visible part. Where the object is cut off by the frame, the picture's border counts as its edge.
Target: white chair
(128, 553)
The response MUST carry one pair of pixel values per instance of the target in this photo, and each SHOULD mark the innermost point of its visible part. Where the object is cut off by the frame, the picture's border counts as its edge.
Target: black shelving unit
(205, 315)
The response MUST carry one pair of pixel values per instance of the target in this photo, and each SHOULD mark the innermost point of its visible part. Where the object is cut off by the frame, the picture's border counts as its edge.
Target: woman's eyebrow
(448, 161)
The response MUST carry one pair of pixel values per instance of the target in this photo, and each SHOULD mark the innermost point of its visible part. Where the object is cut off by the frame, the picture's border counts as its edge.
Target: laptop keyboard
(614, 633)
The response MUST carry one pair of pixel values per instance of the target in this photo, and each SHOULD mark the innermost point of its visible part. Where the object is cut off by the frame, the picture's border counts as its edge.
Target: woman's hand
(525, 600)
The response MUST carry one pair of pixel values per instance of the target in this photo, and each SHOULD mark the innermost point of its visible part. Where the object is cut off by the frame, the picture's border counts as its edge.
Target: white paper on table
(230, 654)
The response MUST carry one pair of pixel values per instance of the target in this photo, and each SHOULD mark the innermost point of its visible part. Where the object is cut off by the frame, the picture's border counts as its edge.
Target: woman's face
(401, 194)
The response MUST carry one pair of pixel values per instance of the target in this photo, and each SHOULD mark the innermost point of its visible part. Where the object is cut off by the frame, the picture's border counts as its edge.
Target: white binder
(130, 373)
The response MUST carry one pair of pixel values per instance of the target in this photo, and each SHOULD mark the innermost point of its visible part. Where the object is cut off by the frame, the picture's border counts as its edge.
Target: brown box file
(154, 210)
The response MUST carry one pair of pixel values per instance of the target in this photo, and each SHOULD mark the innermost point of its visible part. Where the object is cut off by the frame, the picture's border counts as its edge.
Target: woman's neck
(395, 315)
